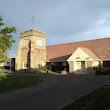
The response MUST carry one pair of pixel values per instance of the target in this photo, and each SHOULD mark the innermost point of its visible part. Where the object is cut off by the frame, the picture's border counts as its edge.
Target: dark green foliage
(57, 67)
(6, 40)
(1, 23)
(105, 72)
(3, 56)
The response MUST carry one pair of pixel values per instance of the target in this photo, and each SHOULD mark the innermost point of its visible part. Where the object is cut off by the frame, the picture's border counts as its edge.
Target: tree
(3, 56)
(6, 40)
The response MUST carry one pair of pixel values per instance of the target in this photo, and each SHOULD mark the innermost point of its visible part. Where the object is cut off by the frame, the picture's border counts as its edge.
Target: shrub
(105, 72)
(41, 69)
(2, 67)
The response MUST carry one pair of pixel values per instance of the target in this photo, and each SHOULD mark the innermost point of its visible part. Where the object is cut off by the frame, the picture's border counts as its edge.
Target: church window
(25, 65)
(39, 42)
(25, 42)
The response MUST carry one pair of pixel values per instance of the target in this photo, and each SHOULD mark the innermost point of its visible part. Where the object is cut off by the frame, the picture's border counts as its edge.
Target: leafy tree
(6, 40)
(3, 56)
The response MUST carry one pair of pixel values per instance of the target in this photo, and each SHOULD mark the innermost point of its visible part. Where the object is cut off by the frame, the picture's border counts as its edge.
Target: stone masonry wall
(31, 52)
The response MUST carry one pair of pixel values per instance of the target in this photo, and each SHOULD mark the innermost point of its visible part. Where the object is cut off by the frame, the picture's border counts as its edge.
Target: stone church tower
(31, 53)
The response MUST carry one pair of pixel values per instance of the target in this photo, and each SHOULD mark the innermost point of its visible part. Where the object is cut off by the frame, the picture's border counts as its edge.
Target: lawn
(96, 100)
(10, 82)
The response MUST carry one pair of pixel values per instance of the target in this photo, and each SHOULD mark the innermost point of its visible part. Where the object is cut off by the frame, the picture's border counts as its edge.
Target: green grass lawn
(96, 100)
(10, 82)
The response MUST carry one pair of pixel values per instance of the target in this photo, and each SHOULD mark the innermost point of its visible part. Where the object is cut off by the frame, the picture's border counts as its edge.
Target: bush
(57, 67)
(41, 69)
(2, 67)
(105, 72)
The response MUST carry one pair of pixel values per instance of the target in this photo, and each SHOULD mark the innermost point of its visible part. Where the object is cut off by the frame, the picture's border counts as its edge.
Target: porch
(83, 67)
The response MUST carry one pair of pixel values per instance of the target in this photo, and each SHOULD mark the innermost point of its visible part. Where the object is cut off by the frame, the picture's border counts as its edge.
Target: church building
(83, 57)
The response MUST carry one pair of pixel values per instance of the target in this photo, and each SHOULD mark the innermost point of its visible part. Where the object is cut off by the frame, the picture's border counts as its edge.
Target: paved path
(53, 94)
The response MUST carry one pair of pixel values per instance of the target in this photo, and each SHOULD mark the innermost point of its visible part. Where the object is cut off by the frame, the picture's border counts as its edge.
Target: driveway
(53, 94)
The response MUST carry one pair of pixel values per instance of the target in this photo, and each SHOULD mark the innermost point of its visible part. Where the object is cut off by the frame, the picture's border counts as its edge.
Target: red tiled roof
(61, 52)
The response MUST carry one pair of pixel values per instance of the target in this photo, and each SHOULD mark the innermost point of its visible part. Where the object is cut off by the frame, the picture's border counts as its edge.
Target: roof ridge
(79, 41)
(84, 48)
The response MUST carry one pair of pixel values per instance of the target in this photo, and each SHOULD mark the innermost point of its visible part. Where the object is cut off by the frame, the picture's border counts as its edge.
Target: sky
(63, 21)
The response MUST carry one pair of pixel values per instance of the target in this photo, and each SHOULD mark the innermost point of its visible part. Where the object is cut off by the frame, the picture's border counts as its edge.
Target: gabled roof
(89, 52)
(61, 52)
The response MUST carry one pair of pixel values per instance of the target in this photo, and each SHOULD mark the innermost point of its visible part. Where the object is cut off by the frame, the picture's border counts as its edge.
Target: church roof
(98, 48)
(89, 52)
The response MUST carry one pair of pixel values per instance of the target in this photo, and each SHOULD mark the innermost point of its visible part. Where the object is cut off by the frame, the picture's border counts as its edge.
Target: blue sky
(63, 21)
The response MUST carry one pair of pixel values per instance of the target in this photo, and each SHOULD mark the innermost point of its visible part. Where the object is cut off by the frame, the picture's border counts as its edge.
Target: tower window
(39, 42)
(25, 65)
(25, 42)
